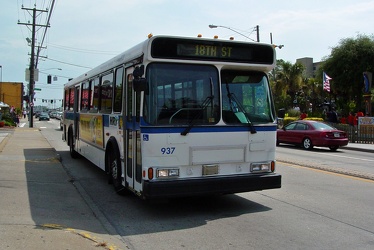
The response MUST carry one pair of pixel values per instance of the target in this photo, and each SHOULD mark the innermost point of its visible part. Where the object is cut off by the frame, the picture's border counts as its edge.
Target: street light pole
(275, 46)
(212, 26)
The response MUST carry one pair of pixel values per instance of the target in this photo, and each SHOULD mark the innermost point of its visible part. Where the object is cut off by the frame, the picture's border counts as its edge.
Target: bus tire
(74, 154)
(113, 165)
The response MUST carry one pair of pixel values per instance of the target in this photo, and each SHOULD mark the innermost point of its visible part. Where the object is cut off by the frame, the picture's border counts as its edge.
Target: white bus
(177, 116)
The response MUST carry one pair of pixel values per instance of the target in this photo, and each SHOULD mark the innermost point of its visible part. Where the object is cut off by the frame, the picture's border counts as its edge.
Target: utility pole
(32, 59)
(258, 33)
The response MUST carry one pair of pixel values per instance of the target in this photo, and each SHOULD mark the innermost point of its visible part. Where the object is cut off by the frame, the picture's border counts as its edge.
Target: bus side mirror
(138, 71)
(139, 84)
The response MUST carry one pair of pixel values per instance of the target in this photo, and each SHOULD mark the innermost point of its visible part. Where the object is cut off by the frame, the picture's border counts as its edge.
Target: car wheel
(307, 144)
(334, 148)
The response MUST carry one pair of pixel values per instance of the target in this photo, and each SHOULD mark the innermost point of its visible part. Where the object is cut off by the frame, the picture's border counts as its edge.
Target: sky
(86, 33)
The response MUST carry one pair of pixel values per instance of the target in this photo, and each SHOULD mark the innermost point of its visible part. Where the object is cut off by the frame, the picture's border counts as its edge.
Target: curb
(359, 149)
(353, 173)
(4, 141)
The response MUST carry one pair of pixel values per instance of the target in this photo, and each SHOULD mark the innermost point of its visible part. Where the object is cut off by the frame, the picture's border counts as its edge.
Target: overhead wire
(45, 31)
(71, 64)
(42, 37)
(105, 52)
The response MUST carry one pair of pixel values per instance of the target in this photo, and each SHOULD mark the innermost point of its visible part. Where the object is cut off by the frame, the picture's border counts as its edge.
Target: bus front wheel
(114, 169)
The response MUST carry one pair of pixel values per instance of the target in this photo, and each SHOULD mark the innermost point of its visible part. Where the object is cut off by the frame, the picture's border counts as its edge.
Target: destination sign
(189, 49)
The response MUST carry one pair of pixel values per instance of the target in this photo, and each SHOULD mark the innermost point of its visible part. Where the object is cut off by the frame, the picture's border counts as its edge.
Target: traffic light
(49, 79)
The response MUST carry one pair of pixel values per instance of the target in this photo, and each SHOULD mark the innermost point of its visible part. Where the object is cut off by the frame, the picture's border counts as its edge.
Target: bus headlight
(167, 172)
(261, 167)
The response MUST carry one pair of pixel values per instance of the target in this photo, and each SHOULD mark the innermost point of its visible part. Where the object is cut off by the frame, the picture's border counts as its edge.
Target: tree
(345, 66)
(287, 83)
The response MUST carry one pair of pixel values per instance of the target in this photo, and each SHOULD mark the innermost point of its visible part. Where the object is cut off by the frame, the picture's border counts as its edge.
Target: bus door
(75, 109)
(133, 164)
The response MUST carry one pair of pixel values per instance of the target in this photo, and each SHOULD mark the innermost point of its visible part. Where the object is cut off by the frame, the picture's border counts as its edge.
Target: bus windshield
(245, 97)
(179, 94)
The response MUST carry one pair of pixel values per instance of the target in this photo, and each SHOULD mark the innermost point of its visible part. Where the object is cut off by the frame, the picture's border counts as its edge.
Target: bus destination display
(174, 48)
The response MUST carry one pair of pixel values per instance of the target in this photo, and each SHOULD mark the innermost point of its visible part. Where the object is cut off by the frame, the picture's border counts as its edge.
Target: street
(314, 209)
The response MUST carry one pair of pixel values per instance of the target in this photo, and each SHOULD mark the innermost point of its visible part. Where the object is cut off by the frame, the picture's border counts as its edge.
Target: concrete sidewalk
(40, 207)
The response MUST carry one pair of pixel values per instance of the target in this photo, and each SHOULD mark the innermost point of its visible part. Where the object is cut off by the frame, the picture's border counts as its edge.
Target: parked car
(37, 114)
(52, 114)
(58, 115)
(43, 116)
(312, 133)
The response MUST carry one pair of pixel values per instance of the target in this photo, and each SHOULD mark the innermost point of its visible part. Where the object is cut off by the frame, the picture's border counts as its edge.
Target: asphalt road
(314, 209)
(345, 161)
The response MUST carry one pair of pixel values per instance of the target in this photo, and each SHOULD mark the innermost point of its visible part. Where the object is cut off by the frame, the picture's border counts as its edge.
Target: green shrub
(8, 120)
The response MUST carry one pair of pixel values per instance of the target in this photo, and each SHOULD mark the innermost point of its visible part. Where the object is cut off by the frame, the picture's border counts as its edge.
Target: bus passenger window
(85, 97)
(66, 102)
(117, 106)
(71, 99)
(94, 106)
(106, 93)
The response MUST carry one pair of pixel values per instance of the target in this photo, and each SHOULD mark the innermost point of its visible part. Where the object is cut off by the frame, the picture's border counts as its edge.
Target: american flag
(326, 82)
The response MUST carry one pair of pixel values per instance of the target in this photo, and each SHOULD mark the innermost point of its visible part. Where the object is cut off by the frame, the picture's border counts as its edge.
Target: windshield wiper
(237, 108)
(204, 105)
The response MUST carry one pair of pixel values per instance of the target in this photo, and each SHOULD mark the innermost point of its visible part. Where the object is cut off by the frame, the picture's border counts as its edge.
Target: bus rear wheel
(74, 154)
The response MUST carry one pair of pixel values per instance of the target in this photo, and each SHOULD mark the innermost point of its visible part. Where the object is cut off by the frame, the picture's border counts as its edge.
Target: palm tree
(289, 80)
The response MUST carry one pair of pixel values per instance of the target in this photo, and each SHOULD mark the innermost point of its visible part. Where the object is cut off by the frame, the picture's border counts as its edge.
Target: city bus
(178, 116)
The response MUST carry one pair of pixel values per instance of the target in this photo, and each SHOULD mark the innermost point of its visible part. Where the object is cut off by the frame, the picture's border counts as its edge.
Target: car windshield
(322, 126)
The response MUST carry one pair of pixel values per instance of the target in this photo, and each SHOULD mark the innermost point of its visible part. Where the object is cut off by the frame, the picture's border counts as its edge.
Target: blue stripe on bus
(196, 129)
(205, 129)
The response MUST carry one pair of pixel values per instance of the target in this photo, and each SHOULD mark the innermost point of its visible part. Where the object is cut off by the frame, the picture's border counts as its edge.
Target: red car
(312, 133)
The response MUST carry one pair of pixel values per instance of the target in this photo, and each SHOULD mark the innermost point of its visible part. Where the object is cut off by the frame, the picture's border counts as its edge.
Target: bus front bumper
(210, 185)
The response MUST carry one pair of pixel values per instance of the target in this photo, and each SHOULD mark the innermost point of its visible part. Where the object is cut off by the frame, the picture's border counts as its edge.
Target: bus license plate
(210, 169)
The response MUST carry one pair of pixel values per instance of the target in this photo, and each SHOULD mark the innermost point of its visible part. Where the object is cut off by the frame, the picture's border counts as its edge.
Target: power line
(83, 50)
(71, 64)
(45, 32)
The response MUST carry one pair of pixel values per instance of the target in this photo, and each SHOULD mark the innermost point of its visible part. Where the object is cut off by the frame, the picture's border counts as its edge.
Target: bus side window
(71, 99)
(106, 93)
(117, 106)
(66, 102)
(94, 105)
(85, 96)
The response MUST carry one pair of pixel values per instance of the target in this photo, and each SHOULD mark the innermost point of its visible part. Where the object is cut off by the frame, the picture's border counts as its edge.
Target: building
(12, 93)
(310, 66)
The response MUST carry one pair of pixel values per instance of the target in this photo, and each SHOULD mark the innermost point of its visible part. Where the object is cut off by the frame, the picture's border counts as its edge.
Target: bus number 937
(167, 151)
